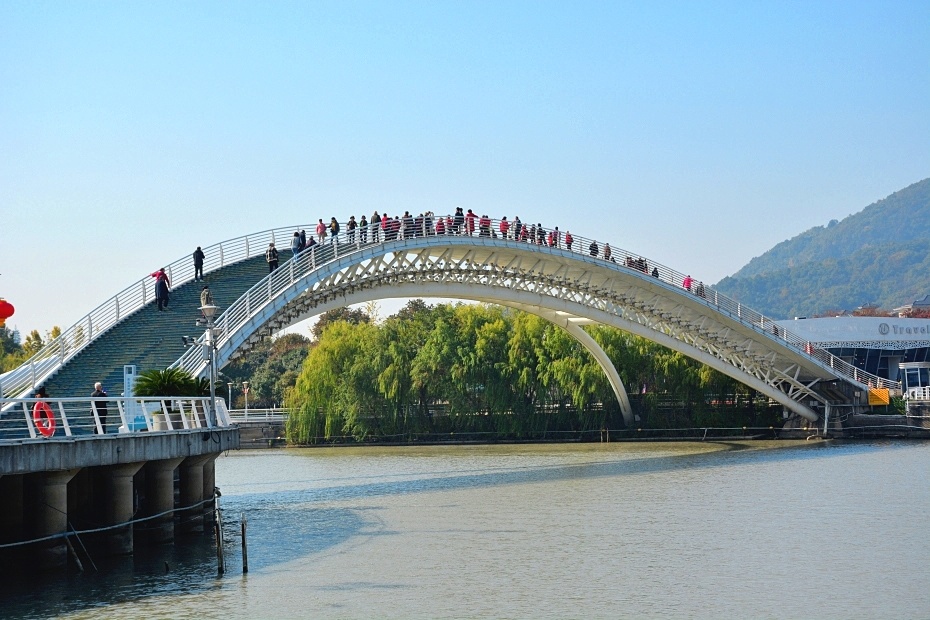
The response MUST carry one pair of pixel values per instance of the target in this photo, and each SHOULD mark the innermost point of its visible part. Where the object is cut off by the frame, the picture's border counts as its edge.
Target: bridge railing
(47, 360)
(276, 414)
(553, 239)
(65, 418)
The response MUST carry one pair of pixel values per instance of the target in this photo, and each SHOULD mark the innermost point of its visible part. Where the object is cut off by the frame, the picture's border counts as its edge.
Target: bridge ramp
(151, 339)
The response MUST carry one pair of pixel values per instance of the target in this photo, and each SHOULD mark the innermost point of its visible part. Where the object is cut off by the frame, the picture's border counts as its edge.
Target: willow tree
(335, 386)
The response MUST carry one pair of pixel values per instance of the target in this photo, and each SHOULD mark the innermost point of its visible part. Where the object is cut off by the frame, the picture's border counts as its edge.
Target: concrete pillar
(11, 521)
(209, 483)
(191, 482)
(159, 500)
(11, 508)
(118, 506)
(50, 494)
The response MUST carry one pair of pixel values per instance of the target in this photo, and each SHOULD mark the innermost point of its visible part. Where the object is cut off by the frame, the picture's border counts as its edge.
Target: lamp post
(229, 404)
(209, 352)
(245, 392)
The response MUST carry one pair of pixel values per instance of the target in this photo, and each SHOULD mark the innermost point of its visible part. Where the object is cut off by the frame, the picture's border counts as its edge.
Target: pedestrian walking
(271, 257)
(351, 225)
(162, 288)
(375, 227)
(198, 264)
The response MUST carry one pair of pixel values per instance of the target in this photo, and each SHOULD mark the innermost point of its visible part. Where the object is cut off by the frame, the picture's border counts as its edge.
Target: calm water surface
(696, 530)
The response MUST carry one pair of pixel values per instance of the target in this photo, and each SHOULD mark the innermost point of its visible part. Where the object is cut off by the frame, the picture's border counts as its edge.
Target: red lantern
(6, 311)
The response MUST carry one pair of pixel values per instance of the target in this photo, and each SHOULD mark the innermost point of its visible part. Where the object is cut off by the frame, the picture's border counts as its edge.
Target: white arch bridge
(569, 286)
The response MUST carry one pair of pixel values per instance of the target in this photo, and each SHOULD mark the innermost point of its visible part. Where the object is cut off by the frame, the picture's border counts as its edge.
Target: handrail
(47, 360)
(347, 242)
(57, 352)
(74, 417)
(276, 414)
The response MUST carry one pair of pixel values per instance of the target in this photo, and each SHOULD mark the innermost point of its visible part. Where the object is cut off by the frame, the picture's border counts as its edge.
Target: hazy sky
(697, 134)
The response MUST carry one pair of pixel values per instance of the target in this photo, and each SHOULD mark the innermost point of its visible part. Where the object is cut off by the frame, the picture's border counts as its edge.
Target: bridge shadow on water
(286, 525)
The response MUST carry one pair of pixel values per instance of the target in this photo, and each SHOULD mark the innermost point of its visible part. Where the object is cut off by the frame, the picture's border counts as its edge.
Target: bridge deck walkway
(151, 339)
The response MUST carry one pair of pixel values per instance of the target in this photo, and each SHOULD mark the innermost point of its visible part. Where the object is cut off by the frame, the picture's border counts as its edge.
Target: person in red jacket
(504, 227)
(162, 289)
(470, 218)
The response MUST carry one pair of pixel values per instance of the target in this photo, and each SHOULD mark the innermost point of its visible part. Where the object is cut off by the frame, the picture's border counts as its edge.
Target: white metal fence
(238, 416)
(54, 354)
(347, 242)
(19, 381)
(64, 418)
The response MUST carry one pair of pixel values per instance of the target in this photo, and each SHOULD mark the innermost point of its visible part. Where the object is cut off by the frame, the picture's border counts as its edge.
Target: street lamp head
(208, 312)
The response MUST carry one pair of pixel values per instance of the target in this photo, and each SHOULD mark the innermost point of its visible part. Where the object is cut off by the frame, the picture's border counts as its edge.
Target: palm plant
(170, 382)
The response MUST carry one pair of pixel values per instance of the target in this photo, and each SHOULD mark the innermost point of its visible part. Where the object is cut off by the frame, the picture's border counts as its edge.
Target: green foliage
(33, 343)
(338, 314)
(11, 351)
(474, 368)
(271, 368)
(880, 255)
(170, 382)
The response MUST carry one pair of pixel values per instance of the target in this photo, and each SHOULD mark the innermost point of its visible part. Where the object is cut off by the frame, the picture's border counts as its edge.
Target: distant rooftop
(867, 332)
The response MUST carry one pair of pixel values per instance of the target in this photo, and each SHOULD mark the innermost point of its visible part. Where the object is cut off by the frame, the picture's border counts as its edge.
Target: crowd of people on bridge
(384, 227)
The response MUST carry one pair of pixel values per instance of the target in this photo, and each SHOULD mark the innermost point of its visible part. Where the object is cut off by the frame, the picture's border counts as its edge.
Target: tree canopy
(487, 369)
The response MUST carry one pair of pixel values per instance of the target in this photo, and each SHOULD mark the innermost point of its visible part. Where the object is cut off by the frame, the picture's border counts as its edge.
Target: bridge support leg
(159, 500)
(606, 365)
(191, 480)
(209, 484)
(118, 502)
(50, 516)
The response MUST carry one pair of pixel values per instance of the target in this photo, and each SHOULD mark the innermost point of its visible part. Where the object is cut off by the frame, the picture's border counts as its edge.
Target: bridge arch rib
(564, 287)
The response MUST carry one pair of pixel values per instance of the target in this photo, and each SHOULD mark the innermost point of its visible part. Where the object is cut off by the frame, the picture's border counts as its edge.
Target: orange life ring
(44, 418)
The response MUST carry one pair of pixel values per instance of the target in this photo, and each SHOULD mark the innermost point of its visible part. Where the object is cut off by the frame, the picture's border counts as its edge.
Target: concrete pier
(49, 508)
(159, 500)
(100, 481)
(118, 502)
(191, 482)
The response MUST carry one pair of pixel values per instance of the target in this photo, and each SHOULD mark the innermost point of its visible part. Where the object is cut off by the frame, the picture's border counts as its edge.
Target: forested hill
(880, 255)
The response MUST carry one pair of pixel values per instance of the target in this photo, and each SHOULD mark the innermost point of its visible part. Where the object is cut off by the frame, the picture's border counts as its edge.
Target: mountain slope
(879, 255)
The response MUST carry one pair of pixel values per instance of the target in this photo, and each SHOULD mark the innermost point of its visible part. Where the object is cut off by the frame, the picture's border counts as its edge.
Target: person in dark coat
(161, 288)
(271, 257)
(101, 405)
(198, 264)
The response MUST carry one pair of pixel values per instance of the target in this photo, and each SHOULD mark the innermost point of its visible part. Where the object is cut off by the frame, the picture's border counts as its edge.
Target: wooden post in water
(218, 529)
(245, 548)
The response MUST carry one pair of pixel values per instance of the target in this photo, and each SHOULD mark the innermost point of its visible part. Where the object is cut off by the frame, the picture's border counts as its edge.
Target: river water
(621, 530)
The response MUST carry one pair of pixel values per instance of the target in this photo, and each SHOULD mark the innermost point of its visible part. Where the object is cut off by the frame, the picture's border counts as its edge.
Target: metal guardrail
(45, 362)
(50, 419)
(20, 380)
(347, 242)
(238, 416)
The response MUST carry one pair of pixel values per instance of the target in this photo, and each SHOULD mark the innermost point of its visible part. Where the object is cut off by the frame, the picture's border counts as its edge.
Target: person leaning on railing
(101, 405)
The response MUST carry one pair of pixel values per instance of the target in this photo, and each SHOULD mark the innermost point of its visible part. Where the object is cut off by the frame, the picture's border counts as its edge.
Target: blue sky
(698, 134)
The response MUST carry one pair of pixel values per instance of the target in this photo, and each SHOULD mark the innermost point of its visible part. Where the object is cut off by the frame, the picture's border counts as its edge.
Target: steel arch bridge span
(567, 288)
